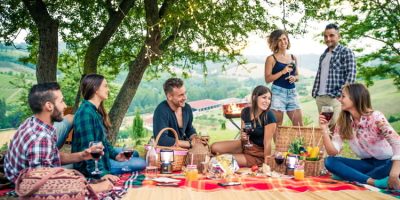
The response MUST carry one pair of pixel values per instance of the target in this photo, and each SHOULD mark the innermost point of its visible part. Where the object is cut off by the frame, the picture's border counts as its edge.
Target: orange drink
(192, 174)
(299, 174)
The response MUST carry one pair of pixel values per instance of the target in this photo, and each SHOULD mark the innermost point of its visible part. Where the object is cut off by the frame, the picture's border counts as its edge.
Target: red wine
(279, 160)
(328, 115)
(128, 153)
(96, 155)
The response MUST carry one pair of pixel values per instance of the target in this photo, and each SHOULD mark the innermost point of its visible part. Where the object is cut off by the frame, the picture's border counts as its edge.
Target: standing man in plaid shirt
(337, 66)
(34, 143)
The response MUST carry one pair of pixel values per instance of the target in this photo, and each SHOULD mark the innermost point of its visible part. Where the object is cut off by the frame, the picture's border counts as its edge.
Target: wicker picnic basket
(179, 153)
(312, 137)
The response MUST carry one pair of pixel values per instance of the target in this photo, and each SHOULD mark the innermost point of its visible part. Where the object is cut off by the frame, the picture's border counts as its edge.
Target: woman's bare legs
(296, 117)
(279, 119)
(233, 147)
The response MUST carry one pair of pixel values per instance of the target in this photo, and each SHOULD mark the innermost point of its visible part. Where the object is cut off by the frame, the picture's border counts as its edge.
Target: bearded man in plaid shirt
(34, 143)
(337, 66)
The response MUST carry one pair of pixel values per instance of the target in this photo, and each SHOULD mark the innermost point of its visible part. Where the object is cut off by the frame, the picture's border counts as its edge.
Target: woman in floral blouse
(371, 138)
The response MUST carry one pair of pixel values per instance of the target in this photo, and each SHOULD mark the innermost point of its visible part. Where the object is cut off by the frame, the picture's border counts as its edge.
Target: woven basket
(312, 137)
(179, 153)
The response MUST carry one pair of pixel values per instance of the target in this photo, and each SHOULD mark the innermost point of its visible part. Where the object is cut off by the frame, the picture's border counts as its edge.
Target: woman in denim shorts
(281, 69)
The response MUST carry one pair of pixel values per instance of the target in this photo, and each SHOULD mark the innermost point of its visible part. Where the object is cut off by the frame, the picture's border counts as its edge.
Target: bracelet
(190, 144)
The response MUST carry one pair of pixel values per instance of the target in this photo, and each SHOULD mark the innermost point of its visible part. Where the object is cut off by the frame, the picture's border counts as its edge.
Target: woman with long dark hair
(371, 138)
(262, 125)
(91, 123)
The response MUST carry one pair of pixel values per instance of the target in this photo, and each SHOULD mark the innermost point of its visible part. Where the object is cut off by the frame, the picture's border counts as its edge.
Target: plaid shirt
(88, 126)
(342, 70)
(33, 145)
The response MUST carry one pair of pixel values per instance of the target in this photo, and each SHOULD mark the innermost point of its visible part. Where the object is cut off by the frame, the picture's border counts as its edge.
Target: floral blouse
(373, 137)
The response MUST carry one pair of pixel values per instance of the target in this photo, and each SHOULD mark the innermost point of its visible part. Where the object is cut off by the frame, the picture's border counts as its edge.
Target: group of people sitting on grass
(38, 139)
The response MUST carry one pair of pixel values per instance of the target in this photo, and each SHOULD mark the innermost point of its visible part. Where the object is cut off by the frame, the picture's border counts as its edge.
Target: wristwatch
(190, 144)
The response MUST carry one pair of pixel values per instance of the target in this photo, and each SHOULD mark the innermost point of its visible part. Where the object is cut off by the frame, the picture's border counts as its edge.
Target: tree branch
(385, 42)
(388, 15)
(98, 43)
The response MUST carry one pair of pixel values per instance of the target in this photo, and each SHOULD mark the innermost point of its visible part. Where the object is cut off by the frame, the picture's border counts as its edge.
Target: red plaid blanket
(255, 183)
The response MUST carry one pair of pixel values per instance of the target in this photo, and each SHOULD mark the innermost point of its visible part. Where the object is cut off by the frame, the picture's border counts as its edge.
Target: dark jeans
(358, 170)
(136, 163)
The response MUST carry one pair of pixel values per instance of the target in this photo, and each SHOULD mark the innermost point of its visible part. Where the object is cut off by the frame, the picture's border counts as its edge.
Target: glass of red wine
(292, 65)
(327, 111)
(127, 150)
(96, 154)
(279, 158)
(248, 129)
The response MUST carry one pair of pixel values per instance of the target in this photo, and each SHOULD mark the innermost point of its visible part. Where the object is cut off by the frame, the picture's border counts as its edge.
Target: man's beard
(56, 115)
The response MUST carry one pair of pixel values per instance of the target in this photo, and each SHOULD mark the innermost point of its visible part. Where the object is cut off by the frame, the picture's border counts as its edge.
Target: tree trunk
(46, 67)
(138, 67)
(126, 93)
(98, 43)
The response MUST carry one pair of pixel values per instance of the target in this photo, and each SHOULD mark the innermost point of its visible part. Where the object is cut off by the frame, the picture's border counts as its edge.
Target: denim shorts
(284, 99)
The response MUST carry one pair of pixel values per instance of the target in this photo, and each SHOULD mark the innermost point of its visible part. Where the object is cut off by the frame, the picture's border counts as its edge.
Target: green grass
(8, 91)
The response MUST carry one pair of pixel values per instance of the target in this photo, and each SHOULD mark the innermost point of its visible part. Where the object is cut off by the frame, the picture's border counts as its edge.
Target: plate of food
(166, 180)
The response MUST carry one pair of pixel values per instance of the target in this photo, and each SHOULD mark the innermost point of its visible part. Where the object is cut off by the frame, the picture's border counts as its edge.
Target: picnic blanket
(250, 188)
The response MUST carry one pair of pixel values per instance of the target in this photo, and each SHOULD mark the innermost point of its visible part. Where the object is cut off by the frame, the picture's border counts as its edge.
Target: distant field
(6, 66)
(8, 91)
(5, 136)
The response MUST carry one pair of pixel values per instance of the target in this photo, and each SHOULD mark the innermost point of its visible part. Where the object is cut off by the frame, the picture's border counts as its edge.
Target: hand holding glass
(327, 111)
(279, 159)
(96, 154)
(292, 66)
(127, 151)
(248, 129)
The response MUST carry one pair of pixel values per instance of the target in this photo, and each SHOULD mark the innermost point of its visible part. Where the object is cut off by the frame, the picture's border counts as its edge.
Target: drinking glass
(127, 151)
(292, 65)
(279, 159)
(327, 111)
(96, 154)
(248, 129)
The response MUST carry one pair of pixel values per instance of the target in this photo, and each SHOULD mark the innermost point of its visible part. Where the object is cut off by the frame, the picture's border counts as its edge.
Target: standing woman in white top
(371, 138)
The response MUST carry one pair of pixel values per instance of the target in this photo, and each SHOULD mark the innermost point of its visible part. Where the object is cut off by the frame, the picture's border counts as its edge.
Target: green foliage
(394, 118)
(294, 146)
(138, 132)
(21, 108)
(307, 120)
(223, 124)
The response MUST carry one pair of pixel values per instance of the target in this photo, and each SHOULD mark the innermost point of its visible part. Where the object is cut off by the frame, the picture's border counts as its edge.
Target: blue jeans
(358, 170)
(62, 130)
(134, 164)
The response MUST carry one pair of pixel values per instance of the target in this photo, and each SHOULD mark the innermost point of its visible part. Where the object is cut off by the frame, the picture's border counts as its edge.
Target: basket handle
(163, 131)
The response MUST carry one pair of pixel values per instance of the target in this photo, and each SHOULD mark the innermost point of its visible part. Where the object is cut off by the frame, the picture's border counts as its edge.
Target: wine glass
(327, 111)
(127, 150)
(279, 158)
(292, 65)
(248, 129)
(96, 154)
